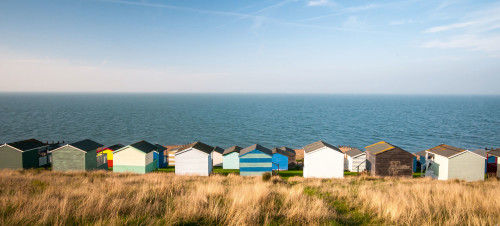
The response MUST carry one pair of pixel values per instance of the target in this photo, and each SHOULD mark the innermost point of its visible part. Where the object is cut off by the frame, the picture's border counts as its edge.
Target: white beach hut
(217, 159)
(355, 160)
(322, 160)
(194, 159)
(454, 163)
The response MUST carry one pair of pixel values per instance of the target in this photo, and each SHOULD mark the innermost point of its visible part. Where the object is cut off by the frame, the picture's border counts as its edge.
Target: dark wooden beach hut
(23, 154)
(496, 153)
(385, 159)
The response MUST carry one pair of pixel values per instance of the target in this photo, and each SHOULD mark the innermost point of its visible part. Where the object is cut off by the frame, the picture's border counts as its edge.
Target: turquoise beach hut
(255, 160)
(230, 158)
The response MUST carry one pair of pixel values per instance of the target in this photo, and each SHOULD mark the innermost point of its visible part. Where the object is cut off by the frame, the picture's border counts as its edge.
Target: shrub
(266, 176)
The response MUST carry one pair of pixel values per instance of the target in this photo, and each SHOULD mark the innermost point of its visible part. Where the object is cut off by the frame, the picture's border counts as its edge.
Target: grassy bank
(44, 197)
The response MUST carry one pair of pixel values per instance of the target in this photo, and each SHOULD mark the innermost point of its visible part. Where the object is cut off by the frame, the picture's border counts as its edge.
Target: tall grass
(103, 198)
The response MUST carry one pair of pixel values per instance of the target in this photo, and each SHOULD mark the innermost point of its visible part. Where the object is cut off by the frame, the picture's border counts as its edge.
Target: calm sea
(411, 122)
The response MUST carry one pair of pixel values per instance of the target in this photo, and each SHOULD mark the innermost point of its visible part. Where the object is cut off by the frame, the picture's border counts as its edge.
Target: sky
(258, 46)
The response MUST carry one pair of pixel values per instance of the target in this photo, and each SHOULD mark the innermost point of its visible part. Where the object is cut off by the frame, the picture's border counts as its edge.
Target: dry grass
(104, 198)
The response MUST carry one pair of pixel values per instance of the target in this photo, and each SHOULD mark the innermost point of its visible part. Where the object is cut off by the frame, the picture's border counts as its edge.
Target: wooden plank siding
(281, 160)
(132, 160)
(394, 162)
(193, 162)
(255, 163)
(231, 161)
(68, 158)
(10, 158)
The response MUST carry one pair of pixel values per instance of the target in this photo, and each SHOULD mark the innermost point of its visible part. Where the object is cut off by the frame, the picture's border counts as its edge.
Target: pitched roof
(86, 145)
(218, 150)
(144, 146)
(160, 148)
(319, 144)
(379, 147)
(116, 147)
(26, 145)
(255, 147)
(420, 153)
(284, 151)
(172, 147)
(354, 152)
(232, 149)
(495, 152)
(199, 146)
(481, 152)
(445, 150)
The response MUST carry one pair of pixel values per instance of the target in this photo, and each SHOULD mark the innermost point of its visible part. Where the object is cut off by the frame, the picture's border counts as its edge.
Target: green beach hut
(23, 154)
(136, 158)
(79, 156)
(230, 158)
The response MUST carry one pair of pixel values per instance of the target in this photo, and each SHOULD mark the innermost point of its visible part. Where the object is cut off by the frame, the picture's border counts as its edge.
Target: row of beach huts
(319, 159)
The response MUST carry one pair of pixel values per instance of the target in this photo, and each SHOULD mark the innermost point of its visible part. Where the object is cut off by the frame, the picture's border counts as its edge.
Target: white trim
(189, 149)
(464, 152)
(67, 145)
(129, 146)
(22, 150)
(13, 148)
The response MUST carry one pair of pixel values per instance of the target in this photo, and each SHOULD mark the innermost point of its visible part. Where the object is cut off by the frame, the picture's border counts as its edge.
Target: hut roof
(218, 150)
(481, 152)
(25, 145)
(284, 151)
(116, 147)
(446, 150)
(172, 147)
(319, 144)
(144, 146)
(160, 148)
(379, 147)
(255, 147)
(354, 152)
(86, 145)
(198, 146)
(232, 149)
(495, 152)
(420, 153)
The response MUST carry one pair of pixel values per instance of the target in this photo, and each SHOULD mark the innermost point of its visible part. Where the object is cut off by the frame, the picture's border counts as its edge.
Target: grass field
(39, 197)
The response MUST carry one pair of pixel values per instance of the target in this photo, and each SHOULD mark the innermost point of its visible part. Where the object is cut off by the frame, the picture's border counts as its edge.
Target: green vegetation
(169, 169)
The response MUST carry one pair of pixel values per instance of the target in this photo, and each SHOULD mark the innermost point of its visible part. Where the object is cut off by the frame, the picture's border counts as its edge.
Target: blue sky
(269, 46)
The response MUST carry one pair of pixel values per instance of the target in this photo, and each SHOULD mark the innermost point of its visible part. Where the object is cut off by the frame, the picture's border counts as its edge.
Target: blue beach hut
(282, 157)
(162, 156)
(230, 158)
(255, 160)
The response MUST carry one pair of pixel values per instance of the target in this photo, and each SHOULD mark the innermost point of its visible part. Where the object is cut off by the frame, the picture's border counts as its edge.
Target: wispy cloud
(402, 22)
(477, 31)
(318, 3)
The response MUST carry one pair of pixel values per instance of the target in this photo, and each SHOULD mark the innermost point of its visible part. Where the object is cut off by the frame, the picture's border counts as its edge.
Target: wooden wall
(395, 162)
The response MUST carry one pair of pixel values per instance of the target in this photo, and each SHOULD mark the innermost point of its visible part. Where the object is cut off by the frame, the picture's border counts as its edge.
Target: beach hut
(136, 158)
(217, 158)
(79, 156)
(162, 152)
(231, 159)
(496, 153)
(355, 160)
(455, 163)
(323, 160)
(194, 159)
(255, 160)
(170, 152)
(282, 158)
(109, 152)
(489, 162)
(23, 154)
(420, 160)
(384, 159)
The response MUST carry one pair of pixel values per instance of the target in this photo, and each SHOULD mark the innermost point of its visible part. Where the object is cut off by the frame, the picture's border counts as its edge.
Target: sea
(412, 122)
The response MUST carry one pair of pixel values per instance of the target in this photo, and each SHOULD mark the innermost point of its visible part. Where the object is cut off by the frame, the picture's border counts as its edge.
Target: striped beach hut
(136, 158)
(323, 160)
(282, 158)
(455, 163)
(194, 159)
(23, 154)
(255, 160)
(170, 152)
(217, 158)
(384, 159)
(231, 159)
(79, 156)
(355, 160)
(109, 152)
